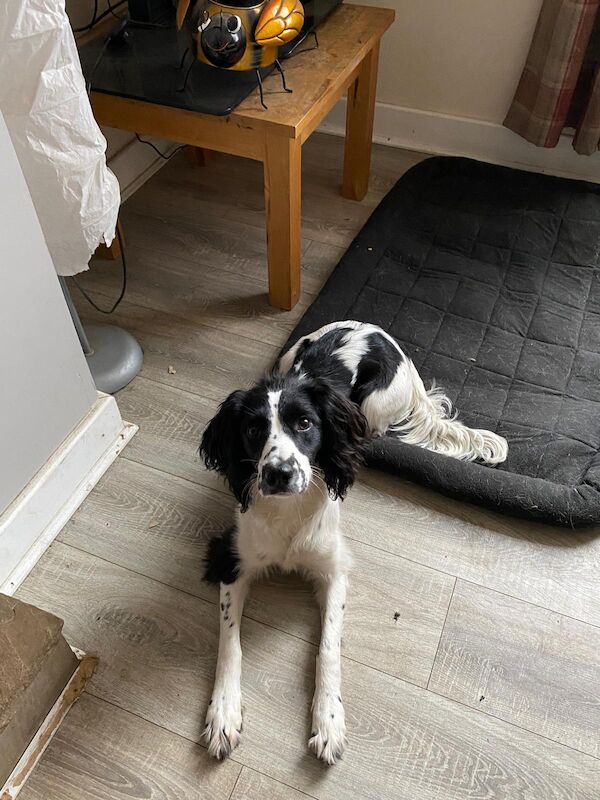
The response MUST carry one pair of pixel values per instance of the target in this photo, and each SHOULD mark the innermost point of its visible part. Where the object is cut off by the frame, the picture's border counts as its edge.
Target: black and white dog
(290, 448)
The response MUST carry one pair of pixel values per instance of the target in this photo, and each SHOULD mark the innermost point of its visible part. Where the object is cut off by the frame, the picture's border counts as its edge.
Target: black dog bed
(489, 279)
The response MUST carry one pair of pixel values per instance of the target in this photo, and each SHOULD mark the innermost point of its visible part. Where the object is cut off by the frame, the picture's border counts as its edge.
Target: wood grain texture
(103, 753)
(283, 191)
(196, 299)
(170, 426)
(274, 134)
(178, 125)
(192, 198)
(322, 165)
(359, 128)
(210, 250)
(523, 664)
(189, 356)
(552, 567)
(157, 648)
(251, 785)
(346, 37)
(199, 293)
(159, 525)
(152, 523)
(548, 566)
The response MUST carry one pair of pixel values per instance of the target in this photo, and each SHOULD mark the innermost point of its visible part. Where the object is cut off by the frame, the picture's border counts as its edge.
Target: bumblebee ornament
(242, 34)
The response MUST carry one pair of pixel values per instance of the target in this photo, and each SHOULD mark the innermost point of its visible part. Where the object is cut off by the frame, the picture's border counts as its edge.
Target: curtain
(560, 84)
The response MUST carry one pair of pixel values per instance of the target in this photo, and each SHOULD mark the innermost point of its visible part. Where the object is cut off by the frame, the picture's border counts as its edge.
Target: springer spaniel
(289, 449)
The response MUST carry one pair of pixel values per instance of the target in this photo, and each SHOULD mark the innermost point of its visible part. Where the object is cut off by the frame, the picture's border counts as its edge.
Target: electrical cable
(157, 151)
(112, 9)
(96, 18)
(123, 285)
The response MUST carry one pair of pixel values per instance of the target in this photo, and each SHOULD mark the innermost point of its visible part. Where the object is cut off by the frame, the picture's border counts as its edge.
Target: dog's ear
(222, 449)
(218, 445)
(345, 433)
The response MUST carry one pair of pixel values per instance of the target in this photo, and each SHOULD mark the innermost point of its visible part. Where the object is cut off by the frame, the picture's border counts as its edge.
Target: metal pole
(83, 339)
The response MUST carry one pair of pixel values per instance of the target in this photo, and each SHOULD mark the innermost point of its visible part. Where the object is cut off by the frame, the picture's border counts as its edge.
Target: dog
(289, 449)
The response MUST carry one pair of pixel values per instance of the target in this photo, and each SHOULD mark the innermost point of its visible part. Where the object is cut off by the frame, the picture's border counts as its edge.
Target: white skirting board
(35, 517)
(442, 134)
(408, 128)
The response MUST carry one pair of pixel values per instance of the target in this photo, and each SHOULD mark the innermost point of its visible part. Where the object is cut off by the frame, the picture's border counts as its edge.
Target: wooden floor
(472, 641)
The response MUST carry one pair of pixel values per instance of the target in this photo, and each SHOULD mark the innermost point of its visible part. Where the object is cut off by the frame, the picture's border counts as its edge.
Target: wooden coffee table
(345, 61)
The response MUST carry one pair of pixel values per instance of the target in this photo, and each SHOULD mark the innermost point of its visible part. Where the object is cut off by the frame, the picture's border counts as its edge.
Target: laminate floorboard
(157, 650)
(448, 603)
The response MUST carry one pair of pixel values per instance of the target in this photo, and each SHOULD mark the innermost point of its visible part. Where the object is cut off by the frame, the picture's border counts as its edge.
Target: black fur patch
(376, 369)
(222, 562)
(318, 359)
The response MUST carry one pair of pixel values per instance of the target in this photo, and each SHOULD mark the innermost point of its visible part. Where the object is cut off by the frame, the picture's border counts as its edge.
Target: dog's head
(277, 437)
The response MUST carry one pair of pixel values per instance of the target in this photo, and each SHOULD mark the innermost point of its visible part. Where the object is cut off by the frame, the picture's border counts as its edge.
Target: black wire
(157, 151)
(123, 285)
(111, 8)
(96, 18)
(91, 23)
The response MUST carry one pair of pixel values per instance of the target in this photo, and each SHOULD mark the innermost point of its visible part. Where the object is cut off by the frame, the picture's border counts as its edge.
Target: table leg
(283, 183)
(359, 128)
(198, 156)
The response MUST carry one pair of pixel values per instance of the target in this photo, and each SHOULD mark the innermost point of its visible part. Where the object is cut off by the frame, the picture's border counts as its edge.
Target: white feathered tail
(431, 423)
(425, 418)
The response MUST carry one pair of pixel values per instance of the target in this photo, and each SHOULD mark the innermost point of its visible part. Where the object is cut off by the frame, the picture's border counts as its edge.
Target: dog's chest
(288, 535)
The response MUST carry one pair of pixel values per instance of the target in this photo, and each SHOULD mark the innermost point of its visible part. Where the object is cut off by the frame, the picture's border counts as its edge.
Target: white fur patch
(352, 349)
(280, 447)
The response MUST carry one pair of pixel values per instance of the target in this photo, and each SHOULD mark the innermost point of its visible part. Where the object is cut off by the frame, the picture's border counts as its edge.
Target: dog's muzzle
(283, 477)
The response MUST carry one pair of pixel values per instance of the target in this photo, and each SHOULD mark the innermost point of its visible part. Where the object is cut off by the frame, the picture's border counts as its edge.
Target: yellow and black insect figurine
(242, 34)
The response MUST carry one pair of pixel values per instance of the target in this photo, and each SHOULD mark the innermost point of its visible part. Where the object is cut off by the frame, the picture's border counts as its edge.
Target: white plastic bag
(57, 140)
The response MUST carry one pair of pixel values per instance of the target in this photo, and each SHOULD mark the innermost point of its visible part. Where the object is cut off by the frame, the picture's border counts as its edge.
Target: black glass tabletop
(154, 64)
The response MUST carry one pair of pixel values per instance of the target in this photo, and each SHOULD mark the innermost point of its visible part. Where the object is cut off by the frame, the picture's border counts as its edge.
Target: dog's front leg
(328, 737)
(224, 715)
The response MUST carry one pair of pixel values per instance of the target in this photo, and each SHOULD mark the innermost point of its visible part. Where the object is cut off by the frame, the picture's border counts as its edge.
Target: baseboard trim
(407, 128)
(35, 517)
(443, 134)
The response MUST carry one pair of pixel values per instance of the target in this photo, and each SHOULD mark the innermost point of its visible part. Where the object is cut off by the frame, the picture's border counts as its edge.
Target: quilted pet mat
(489, 278)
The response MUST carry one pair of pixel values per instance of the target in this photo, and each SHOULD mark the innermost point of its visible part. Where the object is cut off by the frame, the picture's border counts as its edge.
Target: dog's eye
(253, 431)
(303, 424)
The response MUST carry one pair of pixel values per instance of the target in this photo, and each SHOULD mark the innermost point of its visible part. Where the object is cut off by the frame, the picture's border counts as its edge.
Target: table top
(345, 38)
(153, 64)
(315, 77)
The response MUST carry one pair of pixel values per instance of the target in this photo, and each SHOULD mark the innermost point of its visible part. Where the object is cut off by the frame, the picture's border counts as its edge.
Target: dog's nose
(276, 477)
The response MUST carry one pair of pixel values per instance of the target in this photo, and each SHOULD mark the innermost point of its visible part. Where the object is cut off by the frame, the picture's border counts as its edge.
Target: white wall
(448, 72)
(461, 57)
(45, 385)
(457, 57)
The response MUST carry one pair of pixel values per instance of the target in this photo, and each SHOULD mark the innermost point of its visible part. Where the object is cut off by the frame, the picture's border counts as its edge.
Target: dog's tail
(430, 422)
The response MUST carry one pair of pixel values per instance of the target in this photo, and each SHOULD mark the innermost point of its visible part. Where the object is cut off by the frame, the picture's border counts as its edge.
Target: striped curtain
(560, 84)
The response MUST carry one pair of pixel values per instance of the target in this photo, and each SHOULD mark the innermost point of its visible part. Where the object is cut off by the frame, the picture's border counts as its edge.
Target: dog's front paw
(223, 725)
(328, 737)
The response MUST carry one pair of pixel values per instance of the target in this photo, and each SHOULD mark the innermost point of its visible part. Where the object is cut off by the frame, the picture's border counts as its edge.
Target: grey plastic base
(116, 357)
